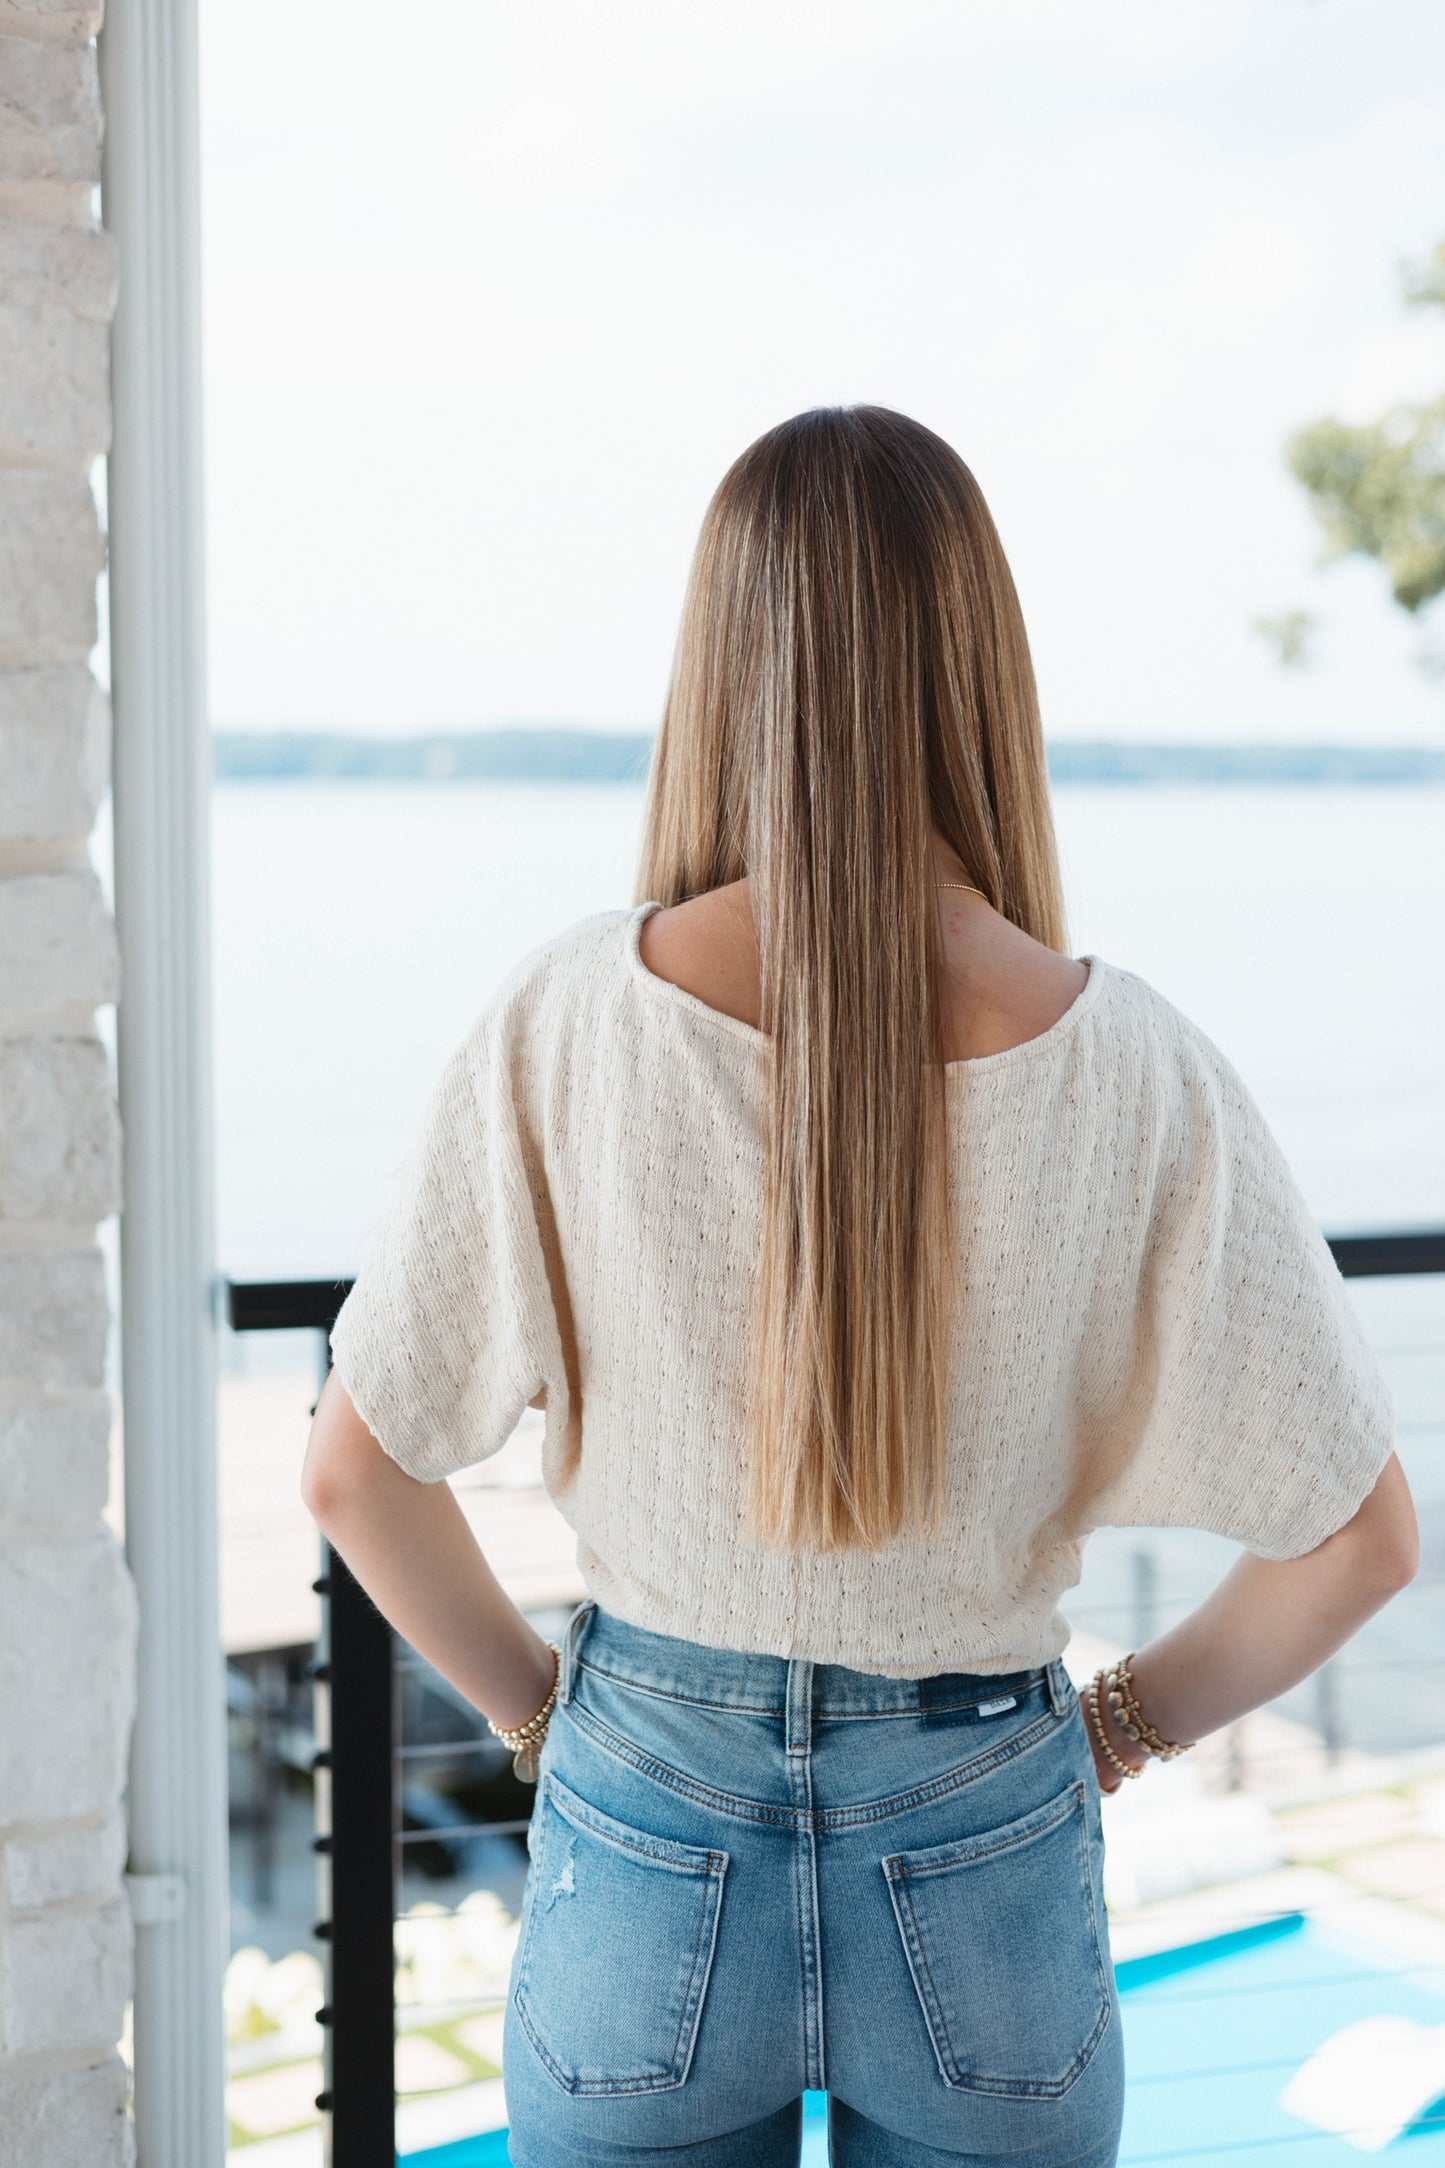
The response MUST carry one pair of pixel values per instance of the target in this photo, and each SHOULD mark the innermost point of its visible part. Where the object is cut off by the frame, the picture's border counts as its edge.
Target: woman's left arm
(409, 1546)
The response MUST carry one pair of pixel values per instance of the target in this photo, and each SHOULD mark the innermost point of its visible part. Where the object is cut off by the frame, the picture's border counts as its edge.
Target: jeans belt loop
(571, 1640)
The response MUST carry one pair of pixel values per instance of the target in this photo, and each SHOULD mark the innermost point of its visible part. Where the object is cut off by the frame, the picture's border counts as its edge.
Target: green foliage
(1378, 491)
(1378, 488)
(1425, 283)
(1289, 636)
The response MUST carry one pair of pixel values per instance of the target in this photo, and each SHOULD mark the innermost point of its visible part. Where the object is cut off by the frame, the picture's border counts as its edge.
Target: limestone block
(60, 1866)
(54, 751)
(57, 292)
(67, 1662)
(54, 1317)
(58, 944)
(51, 556)
(64, 1978)
(59, 1131)
(54, 1454)
(49, 110)
(51, 18)
(68, 2118)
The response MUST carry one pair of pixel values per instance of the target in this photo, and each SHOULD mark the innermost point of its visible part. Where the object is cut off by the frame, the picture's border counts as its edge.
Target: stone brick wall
(67, 1623)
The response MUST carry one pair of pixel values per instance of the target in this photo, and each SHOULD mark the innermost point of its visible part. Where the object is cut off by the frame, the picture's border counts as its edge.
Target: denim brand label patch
(948, 1699)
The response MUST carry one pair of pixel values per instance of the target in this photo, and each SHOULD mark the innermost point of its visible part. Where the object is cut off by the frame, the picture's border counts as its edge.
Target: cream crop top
(1152, 1330)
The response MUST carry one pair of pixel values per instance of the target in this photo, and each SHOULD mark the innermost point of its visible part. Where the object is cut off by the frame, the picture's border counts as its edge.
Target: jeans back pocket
(616, 1946)
(1001, 1935)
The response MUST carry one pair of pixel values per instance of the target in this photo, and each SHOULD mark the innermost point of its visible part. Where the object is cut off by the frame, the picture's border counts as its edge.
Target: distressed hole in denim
(565, 1884)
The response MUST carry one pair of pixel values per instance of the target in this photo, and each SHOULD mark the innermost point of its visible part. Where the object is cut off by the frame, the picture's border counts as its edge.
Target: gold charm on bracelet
(527, 1739)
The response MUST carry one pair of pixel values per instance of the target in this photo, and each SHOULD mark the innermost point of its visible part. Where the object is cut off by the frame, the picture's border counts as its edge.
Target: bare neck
(1002, 987)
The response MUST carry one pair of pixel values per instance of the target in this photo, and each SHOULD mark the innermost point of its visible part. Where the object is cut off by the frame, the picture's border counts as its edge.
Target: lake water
(360, 927)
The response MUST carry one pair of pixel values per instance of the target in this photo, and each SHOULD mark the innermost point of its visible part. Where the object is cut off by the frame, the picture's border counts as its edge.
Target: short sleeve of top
(449, 1331)
(1267, 1418)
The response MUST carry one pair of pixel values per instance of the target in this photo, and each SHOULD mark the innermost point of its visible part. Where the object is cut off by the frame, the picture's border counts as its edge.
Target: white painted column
(177, 1795)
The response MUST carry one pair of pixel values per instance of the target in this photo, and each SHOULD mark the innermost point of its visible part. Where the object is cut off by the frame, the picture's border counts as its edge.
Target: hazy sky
(493, 296)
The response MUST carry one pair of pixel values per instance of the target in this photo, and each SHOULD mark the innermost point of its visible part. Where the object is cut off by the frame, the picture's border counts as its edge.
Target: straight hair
(852, 670)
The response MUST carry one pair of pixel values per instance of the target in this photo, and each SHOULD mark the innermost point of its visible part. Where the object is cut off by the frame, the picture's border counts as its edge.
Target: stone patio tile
(425, 2066)
(1413, 1869)
(1336, 1826)
(275, 2100)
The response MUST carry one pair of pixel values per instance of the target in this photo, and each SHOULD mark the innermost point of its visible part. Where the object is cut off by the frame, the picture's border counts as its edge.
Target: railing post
(1145, 1595)
(356, 1723)
(1327, 1703)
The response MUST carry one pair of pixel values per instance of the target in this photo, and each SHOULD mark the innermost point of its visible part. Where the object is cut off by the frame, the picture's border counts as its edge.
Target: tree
(1378, 488)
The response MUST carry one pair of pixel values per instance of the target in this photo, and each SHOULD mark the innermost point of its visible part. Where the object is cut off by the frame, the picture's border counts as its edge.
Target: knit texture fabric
(1151, 1332)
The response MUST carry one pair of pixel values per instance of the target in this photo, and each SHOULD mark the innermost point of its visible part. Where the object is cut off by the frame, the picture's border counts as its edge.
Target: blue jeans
(750, 1876)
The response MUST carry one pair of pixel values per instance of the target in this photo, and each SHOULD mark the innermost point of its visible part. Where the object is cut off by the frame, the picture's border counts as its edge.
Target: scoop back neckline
(667, 990)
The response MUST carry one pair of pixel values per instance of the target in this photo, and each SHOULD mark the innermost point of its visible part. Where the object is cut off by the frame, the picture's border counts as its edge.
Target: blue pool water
(1213, 2033)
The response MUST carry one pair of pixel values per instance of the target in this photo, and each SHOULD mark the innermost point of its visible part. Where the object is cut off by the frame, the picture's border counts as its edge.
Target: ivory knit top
(1151, 1329)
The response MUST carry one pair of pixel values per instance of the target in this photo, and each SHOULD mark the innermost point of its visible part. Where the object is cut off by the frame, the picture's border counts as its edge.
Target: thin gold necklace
(965, 885)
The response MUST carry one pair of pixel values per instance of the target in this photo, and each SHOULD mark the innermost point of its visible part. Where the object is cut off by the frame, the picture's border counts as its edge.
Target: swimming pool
(1214, 2033)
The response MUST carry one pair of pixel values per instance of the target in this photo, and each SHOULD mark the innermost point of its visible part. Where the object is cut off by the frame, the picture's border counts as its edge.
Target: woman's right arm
(1269, 1624)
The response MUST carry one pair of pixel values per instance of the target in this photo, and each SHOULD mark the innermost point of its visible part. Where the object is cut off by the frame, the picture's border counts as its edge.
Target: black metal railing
(1403, 1255)
(355, 1805)
(361, 1757)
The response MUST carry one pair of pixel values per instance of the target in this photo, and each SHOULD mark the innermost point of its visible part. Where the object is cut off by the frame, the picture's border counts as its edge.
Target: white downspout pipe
(177, 1789)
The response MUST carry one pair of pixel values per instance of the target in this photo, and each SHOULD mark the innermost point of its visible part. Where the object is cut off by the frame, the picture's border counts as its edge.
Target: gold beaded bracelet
(1090, 1698)
(1118, 1687)
(526, 1739)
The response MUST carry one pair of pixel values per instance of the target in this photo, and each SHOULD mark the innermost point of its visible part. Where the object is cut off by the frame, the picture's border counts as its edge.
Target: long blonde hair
(852, 669)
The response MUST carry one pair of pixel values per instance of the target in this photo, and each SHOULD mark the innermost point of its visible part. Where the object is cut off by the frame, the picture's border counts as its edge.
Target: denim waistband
(772, 1685)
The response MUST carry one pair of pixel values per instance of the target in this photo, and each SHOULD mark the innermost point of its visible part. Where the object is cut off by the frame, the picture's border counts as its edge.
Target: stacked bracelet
(526, 1739)
(1118, 1686)
(1090, 1698)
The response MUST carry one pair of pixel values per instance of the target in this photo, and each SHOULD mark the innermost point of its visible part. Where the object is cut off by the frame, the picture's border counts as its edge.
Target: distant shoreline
(585, 756)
